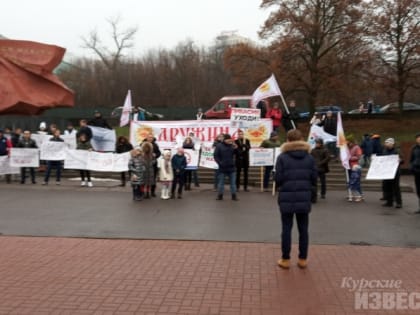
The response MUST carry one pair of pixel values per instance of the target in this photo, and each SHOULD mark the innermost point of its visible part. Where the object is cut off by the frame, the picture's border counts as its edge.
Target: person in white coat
(166, 174)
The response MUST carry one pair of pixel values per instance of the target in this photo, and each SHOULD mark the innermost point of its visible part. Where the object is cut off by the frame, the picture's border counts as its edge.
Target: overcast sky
(161, 23)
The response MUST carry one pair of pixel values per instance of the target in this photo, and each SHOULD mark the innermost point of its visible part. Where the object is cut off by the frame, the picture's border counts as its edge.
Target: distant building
(230, 38)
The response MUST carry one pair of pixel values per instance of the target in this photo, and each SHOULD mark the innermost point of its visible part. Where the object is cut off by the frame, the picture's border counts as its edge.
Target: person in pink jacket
(275, 115)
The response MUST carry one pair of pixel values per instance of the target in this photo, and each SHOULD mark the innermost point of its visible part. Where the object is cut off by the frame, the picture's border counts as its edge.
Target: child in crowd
(149, 162)
(84, 144)
(166, 174)
(136, 167)
(179, 163)
(354, 184)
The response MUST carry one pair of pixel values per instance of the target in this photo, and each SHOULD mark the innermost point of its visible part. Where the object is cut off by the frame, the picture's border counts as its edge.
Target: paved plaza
(68, 250)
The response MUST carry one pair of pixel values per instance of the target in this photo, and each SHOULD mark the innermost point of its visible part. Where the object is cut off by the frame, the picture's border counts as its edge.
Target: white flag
(125, 115)
(268, 88)
(342, 144)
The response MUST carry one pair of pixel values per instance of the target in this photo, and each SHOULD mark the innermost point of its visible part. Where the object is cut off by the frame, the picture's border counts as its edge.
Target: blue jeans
(57, 166)
(221, 182)
(286, 234)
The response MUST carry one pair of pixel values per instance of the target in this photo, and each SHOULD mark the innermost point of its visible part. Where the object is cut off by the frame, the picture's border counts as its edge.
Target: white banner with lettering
(53, 151)
(383, 167)
(244, 117)
(203, 130)
(5, 167)
(76, 159)
(96, 161)
(103, 139)
(261, 157)
(24, 157)
(192, 157)
(207, 156)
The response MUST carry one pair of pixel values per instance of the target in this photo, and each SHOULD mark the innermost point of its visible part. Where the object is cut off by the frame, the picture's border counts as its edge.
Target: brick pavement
(103, 276)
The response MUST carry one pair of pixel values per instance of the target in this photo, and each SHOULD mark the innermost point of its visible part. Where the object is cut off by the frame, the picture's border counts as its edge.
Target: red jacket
(275, 114)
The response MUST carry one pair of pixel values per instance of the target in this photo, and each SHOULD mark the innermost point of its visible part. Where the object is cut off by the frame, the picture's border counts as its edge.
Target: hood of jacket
(297, 149)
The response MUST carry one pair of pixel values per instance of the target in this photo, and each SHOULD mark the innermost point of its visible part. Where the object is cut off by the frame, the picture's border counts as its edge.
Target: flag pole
(287, 109)
(261, 178)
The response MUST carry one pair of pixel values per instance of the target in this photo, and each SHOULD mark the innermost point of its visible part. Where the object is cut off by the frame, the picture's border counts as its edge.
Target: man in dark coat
(224, 155)
(391, 187)
(291, 117)
(329, 123)
(295, 176)
(156, 154)
(322, 157)
(99, 121)
(84, 130)
(242, 159)
(27, 142)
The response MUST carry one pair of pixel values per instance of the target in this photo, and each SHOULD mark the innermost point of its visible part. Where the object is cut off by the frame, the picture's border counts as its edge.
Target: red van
(221, 110)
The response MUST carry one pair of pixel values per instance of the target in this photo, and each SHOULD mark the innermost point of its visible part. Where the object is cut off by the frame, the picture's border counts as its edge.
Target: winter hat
(273, 134)
(390, 141)
(43, 125)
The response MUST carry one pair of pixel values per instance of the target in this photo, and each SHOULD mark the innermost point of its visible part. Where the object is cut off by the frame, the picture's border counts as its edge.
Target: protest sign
(383, 167)
(103, 139)
(192, 157)
(40, 138)
(207, 156)
(53, 151)
(5, 167)
(102, 162)
(70, 141)
(244, 117)
(76, 159)
(24, 157)
(120, 162)
(261, 157)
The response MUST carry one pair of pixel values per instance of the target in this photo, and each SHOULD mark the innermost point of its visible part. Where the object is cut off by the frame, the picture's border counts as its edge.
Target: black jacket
(99, 122)
(322, 157)
(330, 125)
(242, 152)
(415, 159)
(85, 131)
(23, 143)
(224, 155)
(123, 147)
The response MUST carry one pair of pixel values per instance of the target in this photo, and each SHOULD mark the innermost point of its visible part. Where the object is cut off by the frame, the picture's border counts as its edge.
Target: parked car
(393, 108)
(221, 110)
(322, 110)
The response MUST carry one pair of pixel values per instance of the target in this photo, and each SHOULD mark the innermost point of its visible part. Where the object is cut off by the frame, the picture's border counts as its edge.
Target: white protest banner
(317, 132)
(192, 157)
(24, 157)
(383, 167)
(40, 139)
(277, 152)
(164, 145)
(5, 167)
(70, 141)
(244, 117)
(53, 151)
(101, 162)
(261, 157)
(204, 130)
(103, 139)
(120, 163)
(207, 156)
(76, 159)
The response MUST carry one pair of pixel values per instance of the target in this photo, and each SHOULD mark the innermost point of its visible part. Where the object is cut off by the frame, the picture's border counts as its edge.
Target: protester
(315, 120)
(54, 164)
(370, 106)
(290, 118)
(295, 176)
(27, 142)
(391, 187)
(188, 144)
(376, 144)
(219, 139)
(224, 155)
(355, 153)
(262, 106)
(179, 163)
(329, 123)
(199, 115)
(5, 146)
(136, 169)
(122, 146)
(166, 174)
(83, 143)
(354, 184)
(367, 149)
(99, 121)
(70, 129)
(84, 130)
(322, 157)
(16, 136)
(272, 142)
(52, 129)
(156, 154)
(149, 171)
(275, 115)
(242, 159)
(415, 167)
(42, 128)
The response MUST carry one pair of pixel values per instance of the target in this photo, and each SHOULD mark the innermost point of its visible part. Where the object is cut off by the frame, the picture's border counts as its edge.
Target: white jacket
(163, 174)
